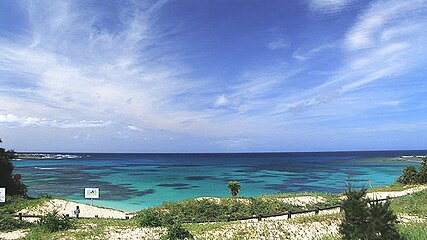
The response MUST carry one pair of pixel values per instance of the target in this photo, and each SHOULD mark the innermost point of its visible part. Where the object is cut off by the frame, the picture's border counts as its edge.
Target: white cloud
(377, 22)
(234, 142)
(330, 6)
(10, 120)
(301, 55)
(134, 128)
(278, 44)
(221, 100)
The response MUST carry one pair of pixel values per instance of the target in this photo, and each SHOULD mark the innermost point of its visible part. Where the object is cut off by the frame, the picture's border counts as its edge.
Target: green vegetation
(154, 218)
(98, 228)
(234, 187)
(16, 203)
(11, 182)
(413, 231)
(224, 209)
(373, 221)
(53, 222)
(8, 223)
(413, 175)
(176, 231)
(414, 204)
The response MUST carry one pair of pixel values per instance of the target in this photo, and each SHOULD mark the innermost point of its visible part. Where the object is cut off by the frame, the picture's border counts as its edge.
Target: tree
(382, 222)
(234, 187)
(409, 176)
(367, 221)
(13, 185)
(422, 172)
(413, 175)
(355, 209)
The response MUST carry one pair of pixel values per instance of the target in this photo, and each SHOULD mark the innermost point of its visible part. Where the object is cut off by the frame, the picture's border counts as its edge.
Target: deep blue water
(136, 181)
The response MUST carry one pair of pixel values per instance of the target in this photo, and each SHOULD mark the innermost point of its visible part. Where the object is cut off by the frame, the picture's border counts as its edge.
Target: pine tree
(356, 213)
(367, 221)
(382, 222)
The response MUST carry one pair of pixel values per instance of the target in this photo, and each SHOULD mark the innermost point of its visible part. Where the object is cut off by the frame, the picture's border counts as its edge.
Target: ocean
(132, 182)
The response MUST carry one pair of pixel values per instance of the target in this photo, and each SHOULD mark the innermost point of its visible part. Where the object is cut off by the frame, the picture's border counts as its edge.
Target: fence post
(289, 214)
(388, 199)
(228, 218)
(341, 209)
(20, 216)
(317, 211)
(259, 218)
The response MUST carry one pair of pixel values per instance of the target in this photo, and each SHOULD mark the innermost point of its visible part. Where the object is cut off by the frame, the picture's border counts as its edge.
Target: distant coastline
(45, 156)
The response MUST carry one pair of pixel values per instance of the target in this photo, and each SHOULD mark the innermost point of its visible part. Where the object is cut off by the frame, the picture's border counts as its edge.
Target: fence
(288, 214)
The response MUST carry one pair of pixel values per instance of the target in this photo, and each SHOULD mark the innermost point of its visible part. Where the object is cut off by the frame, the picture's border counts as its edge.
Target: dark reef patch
(198, 178)
(173, 185)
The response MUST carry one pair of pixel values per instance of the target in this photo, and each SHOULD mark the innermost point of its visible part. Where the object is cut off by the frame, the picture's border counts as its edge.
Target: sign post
(92, 193)
(2, 194)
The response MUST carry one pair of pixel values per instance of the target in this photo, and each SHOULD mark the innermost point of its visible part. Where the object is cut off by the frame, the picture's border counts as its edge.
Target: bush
(8, 223)
(412, 175)
(177, 232)
(153, 218)
(53, 222)
(409, 176)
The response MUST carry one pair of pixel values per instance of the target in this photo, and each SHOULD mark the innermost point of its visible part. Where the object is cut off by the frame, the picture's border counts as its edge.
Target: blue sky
(213, 76)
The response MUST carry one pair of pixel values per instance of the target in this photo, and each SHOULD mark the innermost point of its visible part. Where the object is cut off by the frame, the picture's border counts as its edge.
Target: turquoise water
(135, 181)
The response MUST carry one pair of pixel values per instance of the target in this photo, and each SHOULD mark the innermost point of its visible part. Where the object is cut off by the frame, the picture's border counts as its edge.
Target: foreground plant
(367, 221)
(53, 222)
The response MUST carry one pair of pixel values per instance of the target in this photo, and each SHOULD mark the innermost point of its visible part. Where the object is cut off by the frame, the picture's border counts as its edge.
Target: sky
(213, 76)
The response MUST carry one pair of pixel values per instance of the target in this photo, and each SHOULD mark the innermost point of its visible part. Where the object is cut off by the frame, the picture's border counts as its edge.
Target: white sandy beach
(68, 207)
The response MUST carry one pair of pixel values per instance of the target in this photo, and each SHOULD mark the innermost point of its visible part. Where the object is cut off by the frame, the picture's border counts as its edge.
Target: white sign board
(91, 192)
(2, 194)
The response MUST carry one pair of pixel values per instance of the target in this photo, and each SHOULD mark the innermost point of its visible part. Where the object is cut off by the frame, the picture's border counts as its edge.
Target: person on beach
(77, 211)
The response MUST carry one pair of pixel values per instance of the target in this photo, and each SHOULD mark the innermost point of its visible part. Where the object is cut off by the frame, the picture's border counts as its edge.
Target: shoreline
(64, 206)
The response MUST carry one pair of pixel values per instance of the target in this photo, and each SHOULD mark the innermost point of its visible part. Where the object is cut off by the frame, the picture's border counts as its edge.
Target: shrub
(153, 218)
(409, 176)
(53, 222)
(8, 223)
(177, 232)
(412, 175)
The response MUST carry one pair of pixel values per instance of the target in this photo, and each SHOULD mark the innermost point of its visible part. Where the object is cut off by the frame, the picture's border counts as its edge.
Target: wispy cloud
(112, 73)
(279, 43)
(10, 120)
(301, 55)
(128, 70)
(330, 6)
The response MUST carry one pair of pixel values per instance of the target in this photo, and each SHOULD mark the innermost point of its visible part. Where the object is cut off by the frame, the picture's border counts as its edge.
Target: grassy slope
(415, 204)
(16, 203)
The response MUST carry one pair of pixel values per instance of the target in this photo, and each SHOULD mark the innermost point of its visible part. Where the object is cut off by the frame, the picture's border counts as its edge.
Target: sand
(14, 235)
(382, 195)
(303, 200)
(68, 207)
